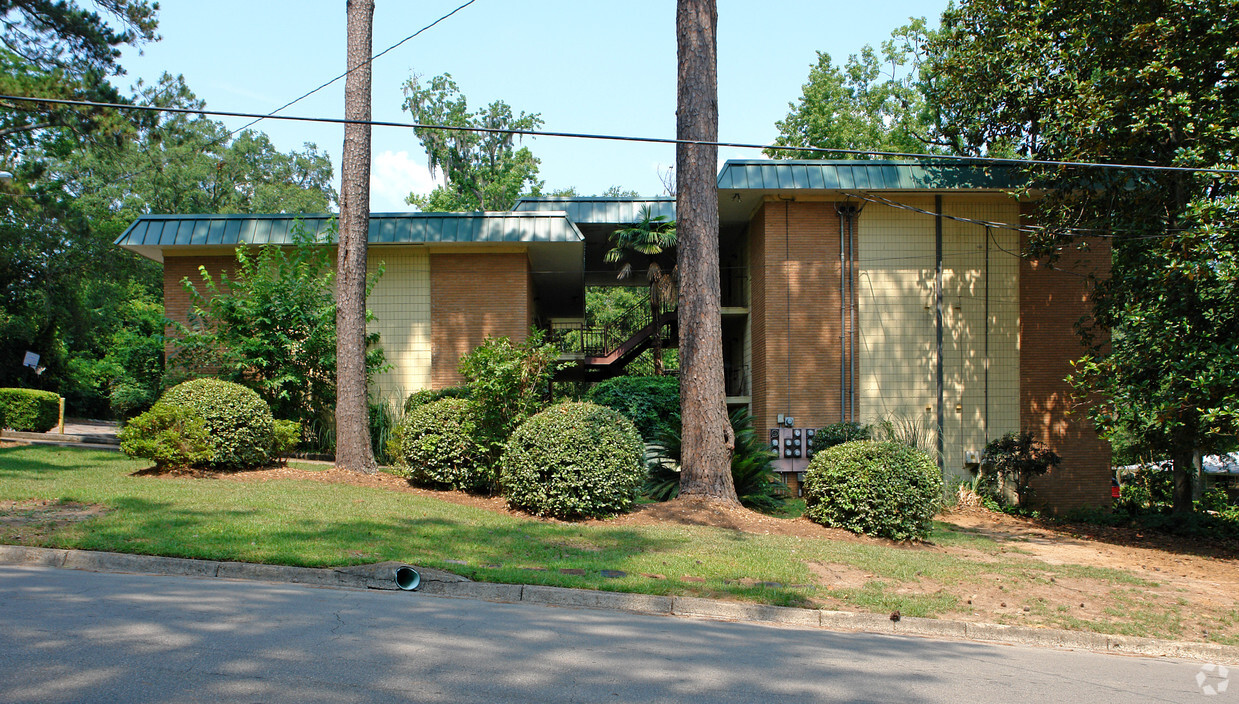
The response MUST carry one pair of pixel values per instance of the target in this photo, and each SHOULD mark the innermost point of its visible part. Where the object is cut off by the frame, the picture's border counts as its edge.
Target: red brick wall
(795, 243)
(1051, 301)
(175, 299)
(474, 296)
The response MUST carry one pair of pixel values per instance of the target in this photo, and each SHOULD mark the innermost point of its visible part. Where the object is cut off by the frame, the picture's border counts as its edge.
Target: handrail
(600, 341)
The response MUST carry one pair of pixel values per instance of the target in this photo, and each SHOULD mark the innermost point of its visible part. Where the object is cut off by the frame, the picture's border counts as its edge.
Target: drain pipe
(840, 210)
(407, 578)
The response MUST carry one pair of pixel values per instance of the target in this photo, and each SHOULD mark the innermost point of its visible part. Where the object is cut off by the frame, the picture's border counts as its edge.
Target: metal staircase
(596, 353)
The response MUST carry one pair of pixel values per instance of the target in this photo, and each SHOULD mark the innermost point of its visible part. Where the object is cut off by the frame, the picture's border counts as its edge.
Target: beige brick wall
(474, 295)
(1050, 302)
(400, 302)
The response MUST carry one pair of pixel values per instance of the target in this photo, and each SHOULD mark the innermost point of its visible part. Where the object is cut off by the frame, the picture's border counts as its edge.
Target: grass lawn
(316, 524)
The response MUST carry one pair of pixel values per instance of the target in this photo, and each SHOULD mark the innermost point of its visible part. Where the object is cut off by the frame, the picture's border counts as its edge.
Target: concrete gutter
(446, 584)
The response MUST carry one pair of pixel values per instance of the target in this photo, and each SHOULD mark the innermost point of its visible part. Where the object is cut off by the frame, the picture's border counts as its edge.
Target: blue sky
(586, 66)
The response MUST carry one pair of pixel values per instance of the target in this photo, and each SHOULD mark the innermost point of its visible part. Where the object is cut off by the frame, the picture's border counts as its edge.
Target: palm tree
(649, 235)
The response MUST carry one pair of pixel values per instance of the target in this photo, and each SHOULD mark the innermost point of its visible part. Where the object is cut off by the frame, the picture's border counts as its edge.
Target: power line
(367, 62)
(993, 161)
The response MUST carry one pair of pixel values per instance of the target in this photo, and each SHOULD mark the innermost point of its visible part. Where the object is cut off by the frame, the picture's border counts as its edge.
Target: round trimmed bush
(437, 446)
(886, 489)
(573, 460)
(238, 421)
(29, 410)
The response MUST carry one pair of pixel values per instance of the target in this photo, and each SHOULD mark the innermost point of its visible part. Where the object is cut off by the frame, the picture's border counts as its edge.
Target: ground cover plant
(976, 566)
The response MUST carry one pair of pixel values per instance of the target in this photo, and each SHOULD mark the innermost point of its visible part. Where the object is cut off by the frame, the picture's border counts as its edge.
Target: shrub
(438, 447)
(573, 460)
(1014, 459)
(508, 383)
(170, 436)
(650, 402)
(238, 421)
(425, 396)
(285, 437)
(885, 489)
(839, 433)
(29, 410)
(752, 466)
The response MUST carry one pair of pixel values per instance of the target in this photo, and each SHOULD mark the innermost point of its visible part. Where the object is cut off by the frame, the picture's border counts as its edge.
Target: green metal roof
(764, 174)
(592, 210)
(385, 228)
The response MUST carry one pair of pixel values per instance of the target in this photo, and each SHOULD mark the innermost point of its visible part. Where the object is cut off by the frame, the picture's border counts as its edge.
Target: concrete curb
(446, 584)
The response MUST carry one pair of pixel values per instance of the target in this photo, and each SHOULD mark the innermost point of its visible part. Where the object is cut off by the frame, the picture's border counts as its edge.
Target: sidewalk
(79, 432)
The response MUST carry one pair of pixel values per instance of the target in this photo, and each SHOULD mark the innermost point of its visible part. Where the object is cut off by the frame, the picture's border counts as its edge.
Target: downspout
(938, 316)
(853, 219)
(843, 317)
(988, 236)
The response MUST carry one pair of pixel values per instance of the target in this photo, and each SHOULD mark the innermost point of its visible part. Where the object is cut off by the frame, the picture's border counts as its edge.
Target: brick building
(851, 291)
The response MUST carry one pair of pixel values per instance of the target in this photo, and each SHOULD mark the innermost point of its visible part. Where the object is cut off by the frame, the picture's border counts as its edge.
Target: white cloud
(394, 175)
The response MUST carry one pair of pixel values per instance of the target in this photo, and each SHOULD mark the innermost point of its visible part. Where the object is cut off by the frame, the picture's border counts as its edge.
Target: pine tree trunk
(707, 436)
(352, 414)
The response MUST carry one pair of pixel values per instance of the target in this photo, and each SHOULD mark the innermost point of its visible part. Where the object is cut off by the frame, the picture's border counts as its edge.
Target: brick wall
(794, 255)
(175, 299)
(1050, 303)
(474, 296)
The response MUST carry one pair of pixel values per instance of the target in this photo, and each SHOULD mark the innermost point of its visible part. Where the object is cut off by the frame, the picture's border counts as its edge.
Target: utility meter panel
(791, 444)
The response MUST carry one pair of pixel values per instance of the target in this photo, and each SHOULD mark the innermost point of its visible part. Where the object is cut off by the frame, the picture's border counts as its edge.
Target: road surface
(71, 636)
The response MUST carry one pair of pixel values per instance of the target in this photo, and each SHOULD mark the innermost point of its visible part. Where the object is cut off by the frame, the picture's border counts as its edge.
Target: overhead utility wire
(346, 73)
(622, 138)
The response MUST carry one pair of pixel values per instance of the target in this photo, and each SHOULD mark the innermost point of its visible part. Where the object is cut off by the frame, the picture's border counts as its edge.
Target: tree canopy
(873, 102)
(482, 170)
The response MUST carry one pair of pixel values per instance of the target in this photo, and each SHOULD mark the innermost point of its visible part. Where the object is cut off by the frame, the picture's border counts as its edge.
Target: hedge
(29, 410)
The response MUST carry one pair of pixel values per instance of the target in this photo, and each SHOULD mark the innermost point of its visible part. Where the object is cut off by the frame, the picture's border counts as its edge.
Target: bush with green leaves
(1014, 460)
(650, 402)
(271, 326)
(508, 382)
(285, 437)
(752, 466)
(885, 489)
(425, 396)
(238, 421)
(437, 446)
(173, 437)
(839, 433)
(573, 460)
(29, 410)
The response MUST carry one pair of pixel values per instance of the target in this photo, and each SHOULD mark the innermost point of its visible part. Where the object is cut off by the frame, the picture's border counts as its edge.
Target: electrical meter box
(791, 445)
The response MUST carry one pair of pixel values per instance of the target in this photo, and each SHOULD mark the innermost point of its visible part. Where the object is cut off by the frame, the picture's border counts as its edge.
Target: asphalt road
(71, 636)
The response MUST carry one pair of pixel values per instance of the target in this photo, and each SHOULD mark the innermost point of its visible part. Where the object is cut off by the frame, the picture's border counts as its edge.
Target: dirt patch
(25, 520)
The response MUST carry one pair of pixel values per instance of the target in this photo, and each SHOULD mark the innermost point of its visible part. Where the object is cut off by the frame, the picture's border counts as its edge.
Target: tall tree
(353, 450)
(872, 102)
(707, 440)
(483, 170)
(1137, 82)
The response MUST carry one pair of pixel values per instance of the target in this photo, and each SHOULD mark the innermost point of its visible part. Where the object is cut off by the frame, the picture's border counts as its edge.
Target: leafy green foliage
(573, 460)
(438, 446)
(885, 489)
(29, 410)
(484, 171)
(133, 365)
(839, 433)
(237, 420)
(862, 106)
(272, 327)
(285, 437)
(1121, 82)
(1017, 458)
(752, 466)
(425, 396)
(507, 383)
(652, 403)
(173, 437)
